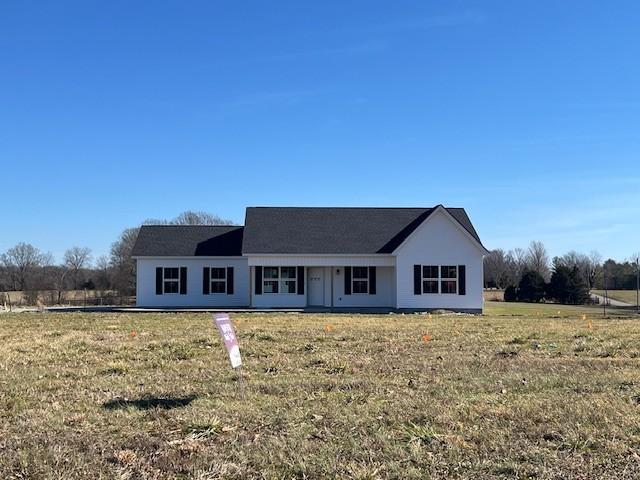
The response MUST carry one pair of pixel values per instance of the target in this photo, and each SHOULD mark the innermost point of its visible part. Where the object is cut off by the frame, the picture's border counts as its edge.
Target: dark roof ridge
(344, 208)
(177, 225)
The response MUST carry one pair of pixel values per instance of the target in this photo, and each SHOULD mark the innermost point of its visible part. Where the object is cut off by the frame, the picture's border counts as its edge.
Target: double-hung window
(360, 280)
(279, 280)
(218, 280)
(430, 278)
(439, 279)
(448, 279)
(171, 280)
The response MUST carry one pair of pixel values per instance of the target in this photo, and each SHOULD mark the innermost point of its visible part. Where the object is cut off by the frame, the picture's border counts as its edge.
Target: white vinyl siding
(439, 242)
(146, 272)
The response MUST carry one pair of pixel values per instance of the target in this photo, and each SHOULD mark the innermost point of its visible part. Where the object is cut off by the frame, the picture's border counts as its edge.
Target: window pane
(171, 273)
(448, 271)
(218, 287)
(430, 271)
(218, 272)
(360, 286)
(360, 272)
(288, 286)
(271, 286)
(448, 286)
(270, 272)
(171, 286)
(287, 272)
(430, 286)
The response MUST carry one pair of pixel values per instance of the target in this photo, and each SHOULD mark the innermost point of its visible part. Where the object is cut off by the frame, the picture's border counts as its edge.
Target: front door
(315, 286)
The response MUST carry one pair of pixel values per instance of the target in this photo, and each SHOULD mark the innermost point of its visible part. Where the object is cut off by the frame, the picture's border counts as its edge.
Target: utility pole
(604, 272)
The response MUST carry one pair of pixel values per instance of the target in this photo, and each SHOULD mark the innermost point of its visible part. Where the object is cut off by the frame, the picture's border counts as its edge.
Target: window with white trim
(448, 279)
(279, 280)
(170, 280)
(440, 279)
(218, 278)
(430, 278)
(360, 280)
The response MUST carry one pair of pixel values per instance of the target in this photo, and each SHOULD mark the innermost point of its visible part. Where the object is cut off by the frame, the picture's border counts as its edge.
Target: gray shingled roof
(331, 230)
(188, 241)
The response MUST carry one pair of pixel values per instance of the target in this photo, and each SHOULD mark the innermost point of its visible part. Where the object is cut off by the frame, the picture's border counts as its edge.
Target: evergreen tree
(567, 285)
(510, 294)
(531, 287)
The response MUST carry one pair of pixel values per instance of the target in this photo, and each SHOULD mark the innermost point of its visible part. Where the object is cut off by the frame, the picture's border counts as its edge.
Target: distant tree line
(26, 268)
(619, 276)
(529, 275)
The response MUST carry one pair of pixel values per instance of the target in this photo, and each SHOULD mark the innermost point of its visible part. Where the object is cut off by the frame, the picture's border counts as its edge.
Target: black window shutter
(462, 280)
(372, 280)
(300, 276)
(229, 280)
(417, 280)
(258, 281)
(206, 280)
(347, 280)
(183, 280)
(158, 280)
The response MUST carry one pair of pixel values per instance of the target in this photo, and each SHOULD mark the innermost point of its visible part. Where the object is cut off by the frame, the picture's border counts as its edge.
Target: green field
(628, 296)
(525, 391)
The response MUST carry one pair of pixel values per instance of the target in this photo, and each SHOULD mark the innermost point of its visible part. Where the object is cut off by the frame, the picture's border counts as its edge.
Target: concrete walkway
(610, 301)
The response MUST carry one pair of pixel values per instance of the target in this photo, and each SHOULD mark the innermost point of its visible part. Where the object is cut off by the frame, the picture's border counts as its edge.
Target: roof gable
(456, 217)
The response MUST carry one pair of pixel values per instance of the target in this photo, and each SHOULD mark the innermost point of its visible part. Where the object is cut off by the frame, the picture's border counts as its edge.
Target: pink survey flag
(223, 323)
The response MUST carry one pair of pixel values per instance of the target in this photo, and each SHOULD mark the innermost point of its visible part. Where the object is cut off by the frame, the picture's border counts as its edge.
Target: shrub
(531, 287)
(510, 294)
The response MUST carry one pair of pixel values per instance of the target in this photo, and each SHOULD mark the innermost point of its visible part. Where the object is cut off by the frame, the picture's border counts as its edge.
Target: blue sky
(525, 113)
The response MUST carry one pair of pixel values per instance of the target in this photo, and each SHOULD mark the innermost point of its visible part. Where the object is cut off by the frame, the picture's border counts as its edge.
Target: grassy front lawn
(525, 391)
(628, 296)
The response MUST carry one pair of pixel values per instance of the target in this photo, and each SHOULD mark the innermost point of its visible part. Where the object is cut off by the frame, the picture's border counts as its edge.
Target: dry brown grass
(493, 295)
(49, 297)
(522, 392)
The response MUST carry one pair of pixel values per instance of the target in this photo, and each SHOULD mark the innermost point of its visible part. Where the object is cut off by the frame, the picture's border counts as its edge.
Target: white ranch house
(323, 258)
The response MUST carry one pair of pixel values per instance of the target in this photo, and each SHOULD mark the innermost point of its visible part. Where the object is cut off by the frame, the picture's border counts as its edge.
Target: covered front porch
(323, 282)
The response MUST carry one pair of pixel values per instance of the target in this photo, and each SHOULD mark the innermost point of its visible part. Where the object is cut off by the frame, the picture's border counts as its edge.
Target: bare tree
(102, 266)
(199, 218)
(47, 266)
(516, 265)
(190, 217)
(21, 261)
(538, 259)
(58, 277)
(124, 267)
(75, 259)
(594, 268)
(586, 265)
(496, 269)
